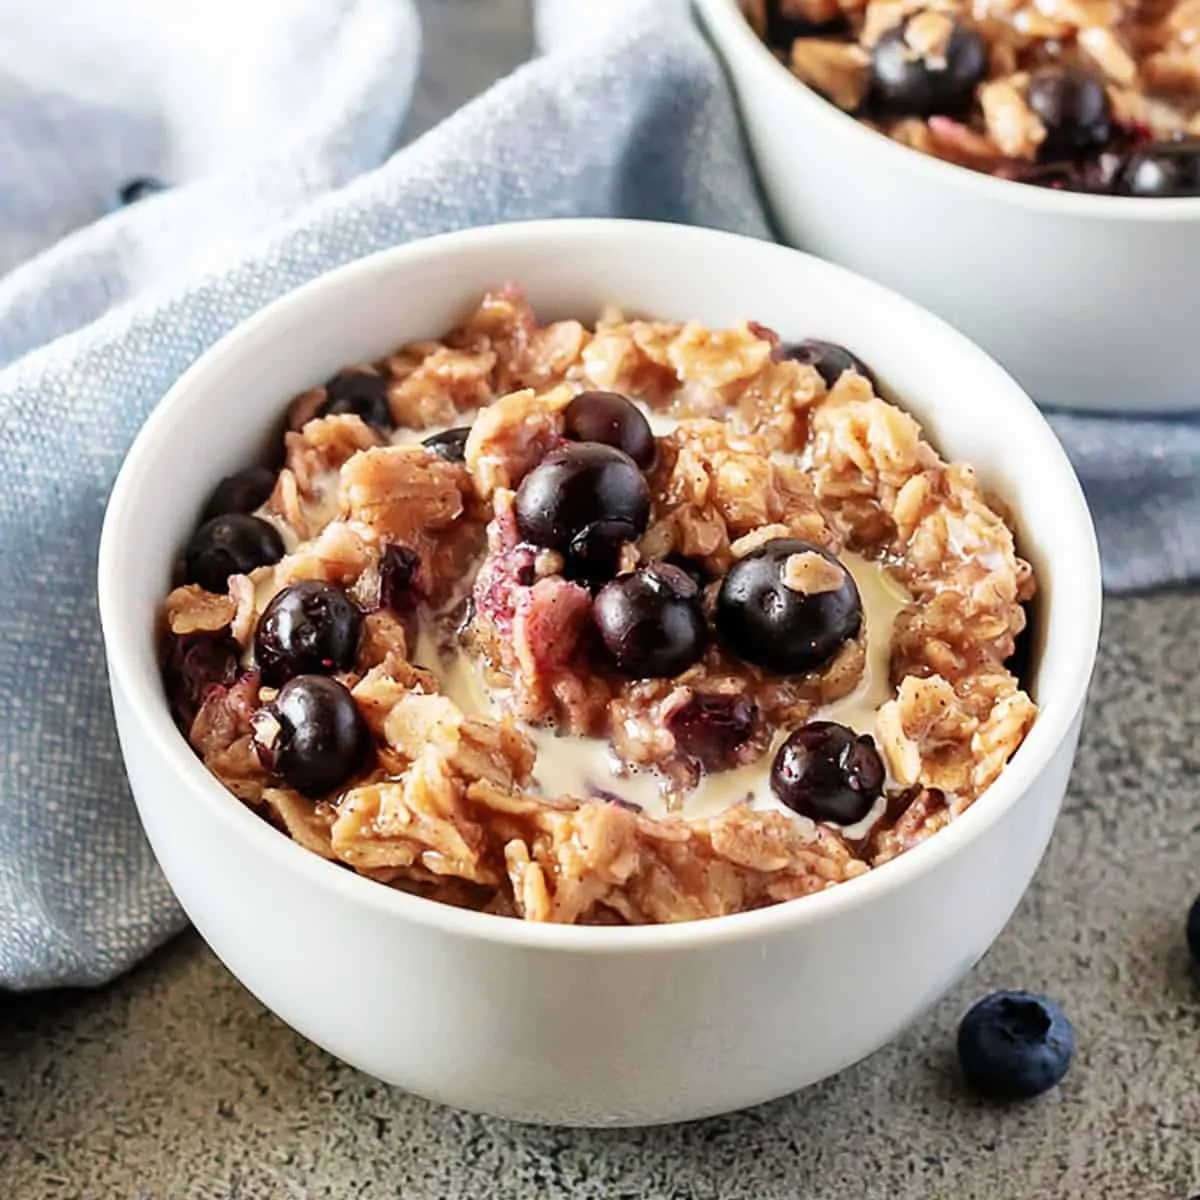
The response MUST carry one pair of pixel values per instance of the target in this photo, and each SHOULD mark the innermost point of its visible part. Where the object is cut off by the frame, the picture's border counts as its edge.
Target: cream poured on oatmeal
(583, 766)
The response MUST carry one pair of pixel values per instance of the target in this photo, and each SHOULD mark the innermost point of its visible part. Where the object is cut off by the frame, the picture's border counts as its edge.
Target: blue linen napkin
(262, 116)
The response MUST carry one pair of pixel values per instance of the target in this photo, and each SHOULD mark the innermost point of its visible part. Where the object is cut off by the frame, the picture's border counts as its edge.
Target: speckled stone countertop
(176, 1083)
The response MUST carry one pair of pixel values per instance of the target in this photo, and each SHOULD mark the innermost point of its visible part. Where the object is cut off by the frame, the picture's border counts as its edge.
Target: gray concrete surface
(176, 1083)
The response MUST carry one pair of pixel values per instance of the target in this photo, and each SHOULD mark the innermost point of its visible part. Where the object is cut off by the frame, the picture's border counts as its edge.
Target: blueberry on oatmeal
(612, 419)
(927, 64)
(450, 444)
(231, 544)
(828, 772)
(1074, 110)
(309, 627)
(788, 607)
(651, 622)
(1169, 169)
(360, 393)
(583, 501)
(827, 358)
(242, 492)
(311, 735)
(624, 623)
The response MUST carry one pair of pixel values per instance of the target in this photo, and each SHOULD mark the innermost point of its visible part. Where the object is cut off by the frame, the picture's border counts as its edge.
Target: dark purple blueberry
(1164, 169)
(610, 418)
(311, 735)
(139, 188)
(311, 627)
(595, 551)
(1074, 108)
(784, 630)
(398, 566)
(828, 772)
(196, 663)
(241, 492)
(450, 444)
(1015, 1045)
(589, 491)
(829, 359)
(361, 393)
(785, 26)
(1193, 930)
(231, 544)
(906, 83)
(712, 729)
(651, 622)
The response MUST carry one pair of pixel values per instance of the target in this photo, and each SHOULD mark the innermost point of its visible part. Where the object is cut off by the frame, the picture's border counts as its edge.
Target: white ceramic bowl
(1090, 301)
(589, 1025)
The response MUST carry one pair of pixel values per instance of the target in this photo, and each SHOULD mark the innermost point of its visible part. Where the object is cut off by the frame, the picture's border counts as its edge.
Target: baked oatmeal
(636, 623)
(1084, 95)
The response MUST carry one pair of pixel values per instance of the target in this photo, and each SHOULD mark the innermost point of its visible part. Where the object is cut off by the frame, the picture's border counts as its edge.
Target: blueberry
(1073, 106)
(581, 500)
(361, 393)
(712, 729)
(139, 188)
(1164, 169)
(764, 621)
(231, 544)
(829, 359)
(311, 735)
(241, 492)
(610, 418)
(651, 622)
(1015, 1045)
(828, 772)
(310, 627)
(1193, 930)
(905, 82)
(450, 444)
(196, 663)
(398, 566)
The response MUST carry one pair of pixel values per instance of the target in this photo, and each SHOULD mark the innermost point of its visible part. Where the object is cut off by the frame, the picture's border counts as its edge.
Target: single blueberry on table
(1015, 1045)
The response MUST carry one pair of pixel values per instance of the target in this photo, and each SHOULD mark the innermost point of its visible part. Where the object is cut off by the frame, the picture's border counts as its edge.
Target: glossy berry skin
(231, 544)
(1163, 170)
(310, 627)
(610, 418)
(1015, 1045)
(1193, 931)
(650, 621)
(903, 83)
(450, 444)
(583, 500)
(1074, 108)
(828, 772)
(828, 358)
(765, 622)
(360, 393)
(241, 492)
(312, 735)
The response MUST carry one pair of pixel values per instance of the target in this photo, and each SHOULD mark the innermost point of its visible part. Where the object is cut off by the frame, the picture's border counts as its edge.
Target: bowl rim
(147, 705)
(726, 20)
